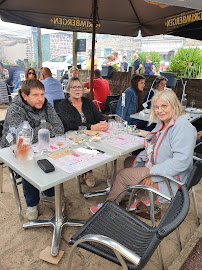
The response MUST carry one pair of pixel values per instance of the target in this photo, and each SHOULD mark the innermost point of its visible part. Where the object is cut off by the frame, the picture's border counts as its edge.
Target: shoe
(90, 180)
(144, 211)
(134, 205)
(94, 209)
(45, 198)
(32, 213)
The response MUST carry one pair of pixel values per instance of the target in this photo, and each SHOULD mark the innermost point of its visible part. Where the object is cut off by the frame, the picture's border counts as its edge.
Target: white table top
(145, 116)
(108, 144)
(41, 180)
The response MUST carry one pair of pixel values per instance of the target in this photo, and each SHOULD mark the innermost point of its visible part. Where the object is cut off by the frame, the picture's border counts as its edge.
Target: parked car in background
(62, 63)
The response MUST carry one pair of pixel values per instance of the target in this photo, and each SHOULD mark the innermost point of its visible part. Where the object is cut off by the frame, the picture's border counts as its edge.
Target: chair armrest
(165, 176)
(125, 252)
(148, 188)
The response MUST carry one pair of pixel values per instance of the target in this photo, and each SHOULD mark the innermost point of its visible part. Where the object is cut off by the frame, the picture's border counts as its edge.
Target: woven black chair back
(195, 175)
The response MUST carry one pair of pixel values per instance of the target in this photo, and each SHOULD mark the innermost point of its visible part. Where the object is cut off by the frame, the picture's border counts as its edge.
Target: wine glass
(192, 103)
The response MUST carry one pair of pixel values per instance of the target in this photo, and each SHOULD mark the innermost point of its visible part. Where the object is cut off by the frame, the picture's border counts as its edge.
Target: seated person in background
(75, 111)
(14, 74)
(101, 89)
(30, 73)
(72, 72)
(3, 72)
(53, 88)
(168, 150)
(133, 99)
(30, 105)
(159, 84)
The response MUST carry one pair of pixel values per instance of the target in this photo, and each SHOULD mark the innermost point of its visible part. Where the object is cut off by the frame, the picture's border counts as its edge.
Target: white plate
(193, 110)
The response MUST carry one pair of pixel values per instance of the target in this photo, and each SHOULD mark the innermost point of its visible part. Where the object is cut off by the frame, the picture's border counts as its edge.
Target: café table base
(106, 190)
(56, 222)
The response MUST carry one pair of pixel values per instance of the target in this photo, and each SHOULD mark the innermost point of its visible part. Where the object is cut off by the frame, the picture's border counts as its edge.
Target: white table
(192, 117)
(42, 181)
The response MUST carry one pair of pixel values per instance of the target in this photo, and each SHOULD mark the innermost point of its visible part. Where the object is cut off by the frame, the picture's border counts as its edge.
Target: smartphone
(45, 165)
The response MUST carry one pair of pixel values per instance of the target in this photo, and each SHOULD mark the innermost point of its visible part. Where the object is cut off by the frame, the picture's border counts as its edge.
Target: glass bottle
(184, 101)
(43, 138)
(24, 141)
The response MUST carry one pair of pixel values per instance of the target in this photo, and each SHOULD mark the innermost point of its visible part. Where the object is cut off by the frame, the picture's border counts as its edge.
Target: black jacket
(71, 118)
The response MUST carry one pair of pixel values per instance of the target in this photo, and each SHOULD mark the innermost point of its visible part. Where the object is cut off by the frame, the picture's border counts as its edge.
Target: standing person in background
(72, 72)
(116, 58)
(149, 67)
(124, 64)
(101, 89)
(137, 64)
(88, 61)
(110, 59)
(53, 88)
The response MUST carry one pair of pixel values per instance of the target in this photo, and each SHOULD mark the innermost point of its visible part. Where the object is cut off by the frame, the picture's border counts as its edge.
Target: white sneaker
(32, 213)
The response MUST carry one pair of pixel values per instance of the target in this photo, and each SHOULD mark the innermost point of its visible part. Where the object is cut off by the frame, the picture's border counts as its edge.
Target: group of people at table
(168, 149)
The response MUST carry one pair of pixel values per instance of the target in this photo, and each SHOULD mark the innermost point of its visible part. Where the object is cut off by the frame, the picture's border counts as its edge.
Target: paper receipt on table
(61, 153)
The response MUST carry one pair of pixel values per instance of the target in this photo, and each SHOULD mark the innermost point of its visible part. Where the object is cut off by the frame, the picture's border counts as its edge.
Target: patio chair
(4, 95)
(106, 109)
(117, 236)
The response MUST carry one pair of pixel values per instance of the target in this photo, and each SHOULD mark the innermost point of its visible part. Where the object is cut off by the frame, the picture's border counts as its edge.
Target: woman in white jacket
(168, 150)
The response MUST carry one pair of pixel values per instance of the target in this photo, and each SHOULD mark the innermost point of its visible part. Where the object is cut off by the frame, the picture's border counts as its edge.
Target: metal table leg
(108, 188)
(56, 222)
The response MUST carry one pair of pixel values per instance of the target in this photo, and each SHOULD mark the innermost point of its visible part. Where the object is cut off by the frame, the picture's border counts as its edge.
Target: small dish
(147, 111)
(95, 138)
(193, 110)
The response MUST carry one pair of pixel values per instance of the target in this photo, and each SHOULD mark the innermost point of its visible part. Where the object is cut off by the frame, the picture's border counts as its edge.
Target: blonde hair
(169, 97)
(72, 69)
(110, 57)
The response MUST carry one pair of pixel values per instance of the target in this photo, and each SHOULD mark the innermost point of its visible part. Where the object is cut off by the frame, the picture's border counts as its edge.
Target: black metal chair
(112, 107)
(116, 235)
(106, 109)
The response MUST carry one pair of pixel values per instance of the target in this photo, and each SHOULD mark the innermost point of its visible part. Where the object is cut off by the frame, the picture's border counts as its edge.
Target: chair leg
(1, 177)
(70, 256)
(79, 184)
(160, 258)
(195, 207)
(16, 194)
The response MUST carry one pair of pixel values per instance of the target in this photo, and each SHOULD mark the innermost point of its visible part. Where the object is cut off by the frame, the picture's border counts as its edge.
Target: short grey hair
(170, 98)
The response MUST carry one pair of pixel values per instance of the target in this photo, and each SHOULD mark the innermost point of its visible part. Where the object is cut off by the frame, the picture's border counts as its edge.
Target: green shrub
(187, 63)
(155, 58)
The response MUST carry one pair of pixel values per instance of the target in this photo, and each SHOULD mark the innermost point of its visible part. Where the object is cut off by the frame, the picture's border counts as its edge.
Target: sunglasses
(33, 73)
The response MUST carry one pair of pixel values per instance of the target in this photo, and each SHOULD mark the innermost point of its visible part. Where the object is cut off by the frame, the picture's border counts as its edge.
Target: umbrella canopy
(118, 17)
(196, 4)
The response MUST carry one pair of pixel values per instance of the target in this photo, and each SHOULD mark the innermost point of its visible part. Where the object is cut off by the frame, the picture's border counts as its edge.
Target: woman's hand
(199, 134)
(148, 182)
(102, 126)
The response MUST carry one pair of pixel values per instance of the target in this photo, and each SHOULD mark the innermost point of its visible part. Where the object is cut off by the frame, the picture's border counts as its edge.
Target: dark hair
(27, 85)
(28, 70)
(124, 57)
(158, 80)
(97, 73)
(73, 79)
(134, 82)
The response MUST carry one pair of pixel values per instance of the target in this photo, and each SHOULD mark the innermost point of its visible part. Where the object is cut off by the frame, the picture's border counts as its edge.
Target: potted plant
(187, 63)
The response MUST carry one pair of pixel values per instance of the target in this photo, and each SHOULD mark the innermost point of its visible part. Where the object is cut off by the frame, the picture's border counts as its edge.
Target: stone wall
(121, 80)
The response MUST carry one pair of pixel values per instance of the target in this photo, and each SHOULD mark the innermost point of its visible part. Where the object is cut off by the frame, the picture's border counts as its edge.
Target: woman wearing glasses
(75, 111)
(168, 150)
(30, 73)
